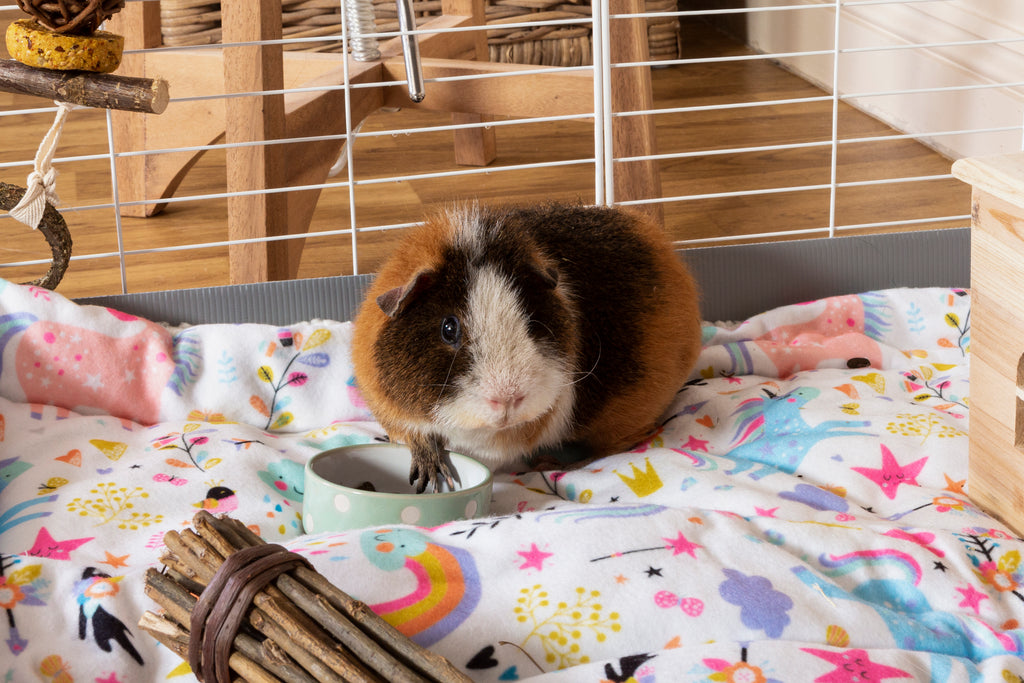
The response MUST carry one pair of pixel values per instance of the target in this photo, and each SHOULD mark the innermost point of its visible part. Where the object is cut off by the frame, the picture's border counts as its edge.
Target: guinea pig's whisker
(588, 373)
(534, 321)
(447, 377)
(582, 376)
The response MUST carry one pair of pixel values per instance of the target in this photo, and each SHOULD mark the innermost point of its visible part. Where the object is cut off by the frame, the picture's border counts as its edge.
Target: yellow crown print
(642, 483)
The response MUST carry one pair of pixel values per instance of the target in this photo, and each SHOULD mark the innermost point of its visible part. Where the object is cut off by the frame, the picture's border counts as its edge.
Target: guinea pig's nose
(502, 402)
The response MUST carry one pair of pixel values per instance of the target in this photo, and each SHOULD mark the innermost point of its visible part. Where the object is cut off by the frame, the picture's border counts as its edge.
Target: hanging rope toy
(42, 181)
(52, 226)
(35, 205)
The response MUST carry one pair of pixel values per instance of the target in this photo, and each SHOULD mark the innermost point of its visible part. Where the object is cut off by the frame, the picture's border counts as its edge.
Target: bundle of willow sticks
(239, 609)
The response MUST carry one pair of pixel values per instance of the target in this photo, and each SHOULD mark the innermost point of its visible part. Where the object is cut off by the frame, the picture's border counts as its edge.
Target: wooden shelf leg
(258, 118)
(473, 146)
(139, 23)
(147, 178)
(631, 91)
(309, 163)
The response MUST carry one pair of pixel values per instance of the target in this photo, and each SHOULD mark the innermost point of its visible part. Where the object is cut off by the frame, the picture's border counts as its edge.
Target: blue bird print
(95, 590)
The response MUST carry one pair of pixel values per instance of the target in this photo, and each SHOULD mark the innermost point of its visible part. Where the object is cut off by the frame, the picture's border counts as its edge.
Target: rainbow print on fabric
(447, 585)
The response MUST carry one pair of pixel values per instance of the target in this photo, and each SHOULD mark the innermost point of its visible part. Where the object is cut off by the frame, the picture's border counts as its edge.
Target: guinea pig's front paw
(432, 465)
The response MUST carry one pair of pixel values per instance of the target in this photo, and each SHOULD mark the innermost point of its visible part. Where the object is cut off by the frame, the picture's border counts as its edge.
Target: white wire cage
(850, 128)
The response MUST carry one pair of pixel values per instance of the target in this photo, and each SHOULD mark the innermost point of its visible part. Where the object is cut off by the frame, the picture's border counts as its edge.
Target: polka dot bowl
(368, 485)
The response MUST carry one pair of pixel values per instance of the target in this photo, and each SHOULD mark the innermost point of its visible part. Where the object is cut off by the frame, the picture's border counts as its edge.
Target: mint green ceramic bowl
(335, 498)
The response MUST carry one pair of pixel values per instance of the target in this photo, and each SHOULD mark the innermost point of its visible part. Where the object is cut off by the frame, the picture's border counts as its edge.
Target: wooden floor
(86, 183)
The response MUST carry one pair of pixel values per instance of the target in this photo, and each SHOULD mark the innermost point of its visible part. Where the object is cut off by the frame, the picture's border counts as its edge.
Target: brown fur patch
(422, 248)
(669, 343)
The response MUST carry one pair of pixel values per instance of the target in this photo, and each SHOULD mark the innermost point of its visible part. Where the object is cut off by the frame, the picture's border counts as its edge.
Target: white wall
(909, 23)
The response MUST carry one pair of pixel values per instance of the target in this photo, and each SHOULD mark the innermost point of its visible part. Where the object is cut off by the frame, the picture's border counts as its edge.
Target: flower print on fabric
(291, 376)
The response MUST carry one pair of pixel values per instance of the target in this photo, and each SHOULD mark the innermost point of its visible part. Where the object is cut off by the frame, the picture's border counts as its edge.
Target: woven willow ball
(78, 17)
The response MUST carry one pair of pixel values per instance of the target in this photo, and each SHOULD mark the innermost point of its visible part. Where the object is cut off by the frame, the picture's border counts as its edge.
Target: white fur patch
(465, 220)
(512, 380)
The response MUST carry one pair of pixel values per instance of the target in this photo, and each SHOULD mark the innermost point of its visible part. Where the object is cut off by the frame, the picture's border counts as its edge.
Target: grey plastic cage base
(736, 281)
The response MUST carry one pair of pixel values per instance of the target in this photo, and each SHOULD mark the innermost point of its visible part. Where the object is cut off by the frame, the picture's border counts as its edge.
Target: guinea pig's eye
(451, 330)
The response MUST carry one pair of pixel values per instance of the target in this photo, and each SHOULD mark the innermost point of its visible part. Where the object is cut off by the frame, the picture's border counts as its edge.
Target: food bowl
(368, 485)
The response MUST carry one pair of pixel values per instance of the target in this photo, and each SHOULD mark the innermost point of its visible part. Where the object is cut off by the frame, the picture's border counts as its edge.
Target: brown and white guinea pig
(496, 332)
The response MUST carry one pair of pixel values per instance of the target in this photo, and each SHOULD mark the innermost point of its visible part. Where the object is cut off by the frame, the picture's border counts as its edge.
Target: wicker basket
(197, 22)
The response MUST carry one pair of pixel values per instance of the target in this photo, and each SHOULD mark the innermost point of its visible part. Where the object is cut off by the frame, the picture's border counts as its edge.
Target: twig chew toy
(300, 627)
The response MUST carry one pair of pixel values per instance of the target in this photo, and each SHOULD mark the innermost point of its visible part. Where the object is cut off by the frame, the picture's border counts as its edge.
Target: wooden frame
(272, 116)
(997, 329)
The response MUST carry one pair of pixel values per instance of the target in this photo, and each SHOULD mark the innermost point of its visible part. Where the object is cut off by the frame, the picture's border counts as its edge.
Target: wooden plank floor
(86, 183)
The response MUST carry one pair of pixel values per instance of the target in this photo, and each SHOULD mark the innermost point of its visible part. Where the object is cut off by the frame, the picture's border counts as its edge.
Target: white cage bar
(991, 130)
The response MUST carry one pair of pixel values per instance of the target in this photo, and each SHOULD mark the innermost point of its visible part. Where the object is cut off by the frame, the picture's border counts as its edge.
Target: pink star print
(892, 474)
(112, 678)
(680, 545)
(46, 546)
(853, 666)
(534, 557)
(972, 598)
(695, 444)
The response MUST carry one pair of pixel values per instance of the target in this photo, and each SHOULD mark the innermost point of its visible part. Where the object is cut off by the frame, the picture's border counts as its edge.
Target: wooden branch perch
(104, 91)
(54, 229)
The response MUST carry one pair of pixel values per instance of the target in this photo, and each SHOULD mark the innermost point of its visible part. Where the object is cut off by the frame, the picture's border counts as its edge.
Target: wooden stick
(104, 91)
(286, 639)
(431, 664)
(188, 584)
(176, 639)
(176, 602)
(362, 646)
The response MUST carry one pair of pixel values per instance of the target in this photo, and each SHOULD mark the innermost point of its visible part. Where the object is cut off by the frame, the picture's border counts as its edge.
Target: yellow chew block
(34, 45)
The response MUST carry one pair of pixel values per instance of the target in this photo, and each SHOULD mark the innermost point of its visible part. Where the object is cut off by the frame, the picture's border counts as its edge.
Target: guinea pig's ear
(394, 301)
(547, 276)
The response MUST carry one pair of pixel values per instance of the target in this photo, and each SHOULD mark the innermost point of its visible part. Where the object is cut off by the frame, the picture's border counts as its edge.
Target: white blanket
(802, 515)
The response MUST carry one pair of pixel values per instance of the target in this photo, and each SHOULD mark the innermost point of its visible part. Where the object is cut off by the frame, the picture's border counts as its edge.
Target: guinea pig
(497, 332)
